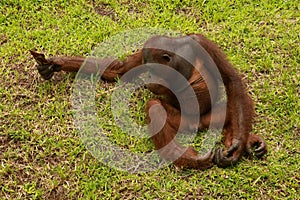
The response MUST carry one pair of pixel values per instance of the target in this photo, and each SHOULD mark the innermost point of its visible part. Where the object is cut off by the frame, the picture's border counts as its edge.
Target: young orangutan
(199, 61)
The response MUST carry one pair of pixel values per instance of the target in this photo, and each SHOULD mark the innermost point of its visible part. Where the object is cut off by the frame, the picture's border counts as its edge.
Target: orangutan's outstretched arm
(113, 67)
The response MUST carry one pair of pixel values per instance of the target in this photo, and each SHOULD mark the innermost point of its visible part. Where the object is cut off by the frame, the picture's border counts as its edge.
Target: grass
(42, 156)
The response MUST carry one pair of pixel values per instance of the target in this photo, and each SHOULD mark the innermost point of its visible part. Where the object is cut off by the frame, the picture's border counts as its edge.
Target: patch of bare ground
(134, 7)
(3, 39)
(104, 9)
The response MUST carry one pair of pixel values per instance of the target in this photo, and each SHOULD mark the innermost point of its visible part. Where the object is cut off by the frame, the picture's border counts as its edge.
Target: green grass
(42, 156)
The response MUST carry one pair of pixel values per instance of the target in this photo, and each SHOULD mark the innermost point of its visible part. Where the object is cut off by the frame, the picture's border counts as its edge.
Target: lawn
(41, 153)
